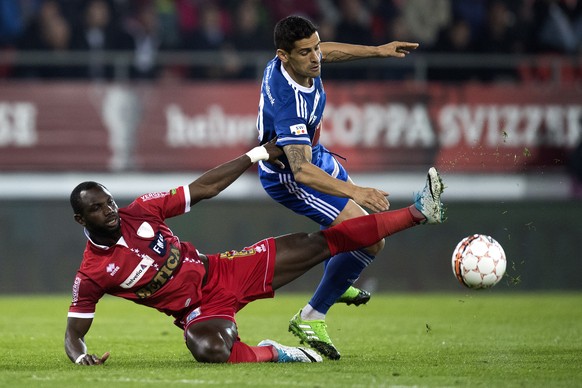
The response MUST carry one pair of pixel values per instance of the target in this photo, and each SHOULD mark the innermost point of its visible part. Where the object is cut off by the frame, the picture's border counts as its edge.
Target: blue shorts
(321, 208)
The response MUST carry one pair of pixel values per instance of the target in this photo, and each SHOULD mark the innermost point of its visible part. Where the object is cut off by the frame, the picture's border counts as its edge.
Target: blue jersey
(293, 113)
(289, 111)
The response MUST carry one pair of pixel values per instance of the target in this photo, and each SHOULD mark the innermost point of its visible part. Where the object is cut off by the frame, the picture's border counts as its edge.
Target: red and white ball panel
(479, 261)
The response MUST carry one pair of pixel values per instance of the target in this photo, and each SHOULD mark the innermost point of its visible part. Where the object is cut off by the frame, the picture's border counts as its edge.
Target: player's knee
(376, 248)
(206, 349)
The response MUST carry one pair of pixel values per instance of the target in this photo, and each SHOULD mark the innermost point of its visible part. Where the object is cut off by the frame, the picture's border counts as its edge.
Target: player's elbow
(199, 192)
(212, 191)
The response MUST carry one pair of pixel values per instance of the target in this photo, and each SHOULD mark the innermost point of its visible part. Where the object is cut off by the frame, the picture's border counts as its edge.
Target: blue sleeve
(290, 127)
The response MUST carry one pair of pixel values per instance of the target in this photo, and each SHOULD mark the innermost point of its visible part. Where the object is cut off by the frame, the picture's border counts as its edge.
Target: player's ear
(79, 219)
(283, 55)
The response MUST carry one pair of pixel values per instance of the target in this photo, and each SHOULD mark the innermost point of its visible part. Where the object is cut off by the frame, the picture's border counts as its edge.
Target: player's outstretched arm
(343, 52)
(212, 182)
(75, 346)
(307, 173)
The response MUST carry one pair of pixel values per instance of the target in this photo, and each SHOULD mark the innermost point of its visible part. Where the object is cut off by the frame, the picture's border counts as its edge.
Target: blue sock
(341, 271)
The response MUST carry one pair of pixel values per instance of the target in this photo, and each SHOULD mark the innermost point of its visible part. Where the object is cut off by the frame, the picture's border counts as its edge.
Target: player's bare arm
(306, 173)
(343, 52)
(75, 346)
(212, 182)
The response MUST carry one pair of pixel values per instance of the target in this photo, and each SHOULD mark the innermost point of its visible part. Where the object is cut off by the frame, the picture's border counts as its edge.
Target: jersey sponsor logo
(268, 73)
(150, 196)
(138, 272)
(298, 129)
(245, 252)
(76, 286)
(158, 245)
(234, 254)
(162, 276)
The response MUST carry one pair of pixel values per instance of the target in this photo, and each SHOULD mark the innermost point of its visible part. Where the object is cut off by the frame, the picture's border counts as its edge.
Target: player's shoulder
(144, 198)
(274, 77)
(145, 204)
(94, 263)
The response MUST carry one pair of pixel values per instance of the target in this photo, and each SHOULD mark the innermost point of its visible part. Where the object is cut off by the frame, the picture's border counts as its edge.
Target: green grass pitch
(465, 339)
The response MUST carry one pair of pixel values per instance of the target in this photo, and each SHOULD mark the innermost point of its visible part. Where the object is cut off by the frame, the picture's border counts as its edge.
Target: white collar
(295, 84)
(121, 241)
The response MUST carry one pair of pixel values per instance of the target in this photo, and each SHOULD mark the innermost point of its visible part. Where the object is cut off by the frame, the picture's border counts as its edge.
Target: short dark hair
(75, 197)
(291, 29)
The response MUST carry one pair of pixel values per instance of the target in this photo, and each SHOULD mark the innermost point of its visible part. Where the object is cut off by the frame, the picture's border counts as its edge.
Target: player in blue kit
(313, 183)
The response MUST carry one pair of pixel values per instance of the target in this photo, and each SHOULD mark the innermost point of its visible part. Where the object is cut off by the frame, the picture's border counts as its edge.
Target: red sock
(242, 352)
(364, 231)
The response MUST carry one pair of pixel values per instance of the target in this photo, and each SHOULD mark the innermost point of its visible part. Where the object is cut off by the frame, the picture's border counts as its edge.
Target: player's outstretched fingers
(91, 359)
(103, 358)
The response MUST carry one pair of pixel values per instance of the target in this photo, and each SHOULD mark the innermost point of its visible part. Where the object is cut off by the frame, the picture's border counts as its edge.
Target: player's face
(100, 212)
(303, 63)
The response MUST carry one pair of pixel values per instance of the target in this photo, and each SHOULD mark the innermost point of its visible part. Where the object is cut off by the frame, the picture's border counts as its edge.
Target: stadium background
(168, 89)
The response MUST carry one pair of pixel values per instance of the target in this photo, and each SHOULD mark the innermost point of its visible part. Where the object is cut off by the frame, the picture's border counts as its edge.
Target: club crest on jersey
(298, 129)
(158, 245)
(145, 230)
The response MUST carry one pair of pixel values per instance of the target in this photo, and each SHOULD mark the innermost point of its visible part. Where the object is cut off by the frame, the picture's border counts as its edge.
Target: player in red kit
(131, 253)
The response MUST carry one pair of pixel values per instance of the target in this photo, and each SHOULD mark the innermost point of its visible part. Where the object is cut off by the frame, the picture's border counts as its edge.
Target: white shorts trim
(81, 315)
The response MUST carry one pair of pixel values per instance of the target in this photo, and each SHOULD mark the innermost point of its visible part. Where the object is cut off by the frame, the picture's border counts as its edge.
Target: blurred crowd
(146, 28)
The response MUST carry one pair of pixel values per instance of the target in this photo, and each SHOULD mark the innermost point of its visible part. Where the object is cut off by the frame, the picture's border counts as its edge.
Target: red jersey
(148, 265)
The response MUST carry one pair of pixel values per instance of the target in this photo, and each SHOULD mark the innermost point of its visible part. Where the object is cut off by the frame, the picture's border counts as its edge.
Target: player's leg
(340, 272)
(361, 232)
(211, 340)
(216, 341)
(358, 232)
(235, 279)
(353, 295)
(325, 210)
(299, 252)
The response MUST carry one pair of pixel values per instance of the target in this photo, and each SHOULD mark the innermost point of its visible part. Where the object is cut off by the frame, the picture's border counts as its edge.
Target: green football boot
(354, 296)
(314, 333)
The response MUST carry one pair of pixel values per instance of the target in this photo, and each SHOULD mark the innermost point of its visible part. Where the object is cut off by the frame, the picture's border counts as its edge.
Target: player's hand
(91, 359)
(373, 199)
(274, 152)
(396, 49)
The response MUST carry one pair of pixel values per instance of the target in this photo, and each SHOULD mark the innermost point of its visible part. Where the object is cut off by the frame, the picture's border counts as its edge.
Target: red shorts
(234, 279)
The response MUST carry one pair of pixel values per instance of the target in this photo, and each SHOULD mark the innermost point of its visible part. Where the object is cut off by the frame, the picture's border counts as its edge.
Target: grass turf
(473, 339)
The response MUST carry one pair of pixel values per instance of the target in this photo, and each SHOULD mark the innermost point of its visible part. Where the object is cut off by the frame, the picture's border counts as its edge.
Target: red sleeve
(165, 204)
(86, 294)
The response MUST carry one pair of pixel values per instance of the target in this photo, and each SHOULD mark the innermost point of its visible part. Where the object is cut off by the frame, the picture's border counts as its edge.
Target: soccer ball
(479, 261)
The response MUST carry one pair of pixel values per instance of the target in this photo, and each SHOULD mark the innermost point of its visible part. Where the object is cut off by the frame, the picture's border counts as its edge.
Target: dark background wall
(41, 245)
